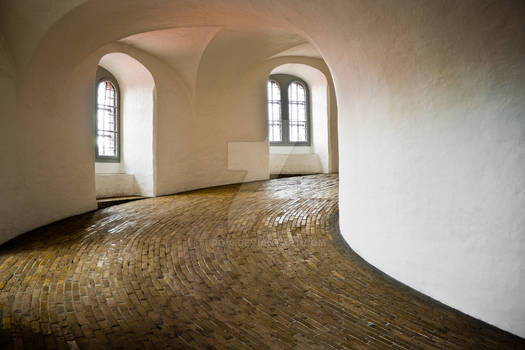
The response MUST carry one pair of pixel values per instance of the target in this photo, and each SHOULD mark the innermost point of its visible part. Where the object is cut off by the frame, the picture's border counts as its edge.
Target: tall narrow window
(297, 120)
(288, 111)
(107, 120)
(274, 111)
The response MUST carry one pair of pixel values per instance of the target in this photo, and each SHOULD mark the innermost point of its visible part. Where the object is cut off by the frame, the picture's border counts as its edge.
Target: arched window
(297, 119)
(288, 111)
(107, 118)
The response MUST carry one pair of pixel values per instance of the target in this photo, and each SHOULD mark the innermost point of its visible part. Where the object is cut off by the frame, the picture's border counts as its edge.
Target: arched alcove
(134, 174)
(315, 157)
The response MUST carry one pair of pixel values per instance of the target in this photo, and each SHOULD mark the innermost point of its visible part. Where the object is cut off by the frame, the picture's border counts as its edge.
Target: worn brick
(253, 266)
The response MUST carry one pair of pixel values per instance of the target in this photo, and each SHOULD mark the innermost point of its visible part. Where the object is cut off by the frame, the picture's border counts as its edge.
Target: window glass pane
(297, 117)
(106, 142)
(274, 112)
(107, 114)
(101, 93)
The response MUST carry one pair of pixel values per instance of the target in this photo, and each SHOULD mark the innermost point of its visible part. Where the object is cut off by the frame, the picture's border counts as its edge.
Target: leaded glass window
(107, 121)
(297, 120)
(288, 111)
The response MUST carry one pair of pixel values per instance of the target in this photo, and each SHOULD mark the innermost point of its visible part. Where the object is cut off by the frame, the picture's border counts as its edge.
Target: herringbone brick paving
(254, 266)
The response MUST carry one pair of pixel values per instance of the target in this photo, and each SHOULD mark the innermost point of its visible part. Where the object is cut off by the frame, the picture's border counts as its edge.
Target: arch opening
(314, 155)
(133, 171)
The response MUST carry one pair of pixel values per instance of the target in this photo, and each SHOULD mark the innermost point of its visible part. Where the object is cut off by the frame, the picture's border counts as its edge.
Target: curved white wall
(432, 186)
(431, 127)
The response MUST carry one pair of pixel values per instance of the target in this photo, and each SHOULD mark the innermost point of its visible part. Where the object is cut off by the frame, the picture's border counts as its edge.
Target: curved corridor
(252, 266)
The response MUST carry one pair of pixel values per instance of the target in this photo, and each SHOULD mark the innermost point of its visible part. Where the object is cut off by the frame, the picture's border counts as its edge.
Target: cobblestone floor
(257, 266)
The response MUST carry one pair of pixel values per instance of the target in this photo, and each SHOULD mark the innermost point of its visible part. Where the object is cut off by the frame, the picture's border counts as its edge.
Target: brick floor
(255, 266)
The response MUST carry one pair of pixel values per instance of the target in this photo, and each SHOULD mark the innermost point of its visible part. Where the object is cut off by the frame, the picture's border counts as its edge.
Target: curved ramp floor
(255, 266)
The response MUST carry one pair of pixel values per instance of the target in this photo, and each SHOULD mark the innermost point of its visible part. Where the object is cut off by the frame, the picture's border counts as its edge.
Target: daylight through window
(288, 111)
(107, 121)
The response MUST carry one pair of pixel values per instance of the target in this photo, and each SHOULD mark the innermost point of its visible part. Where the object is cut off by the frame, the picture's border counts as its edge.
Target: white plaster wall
(308, 163)
(290, 150)
(243, 156)
(294, 160)
(30, 18)
(137, 130)
(108, 168)
(180, 48)
(318, 89)
(46, 173)
(114, 185)
(431, 127)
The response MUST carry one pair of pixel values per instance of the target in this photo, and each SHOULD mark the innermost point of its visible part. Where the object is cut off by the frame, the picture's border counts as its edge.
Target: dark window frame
(284, 81)
(105, 75)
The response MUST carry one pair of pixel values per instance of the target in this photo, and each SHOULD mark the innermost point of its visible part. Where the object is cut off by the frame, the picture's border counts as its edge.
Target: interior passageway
(253, 266)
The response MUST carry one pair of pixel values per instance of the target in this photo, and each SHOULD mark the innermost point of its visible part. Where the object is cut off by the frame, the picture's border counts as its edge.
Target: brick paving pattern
(254, 266)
